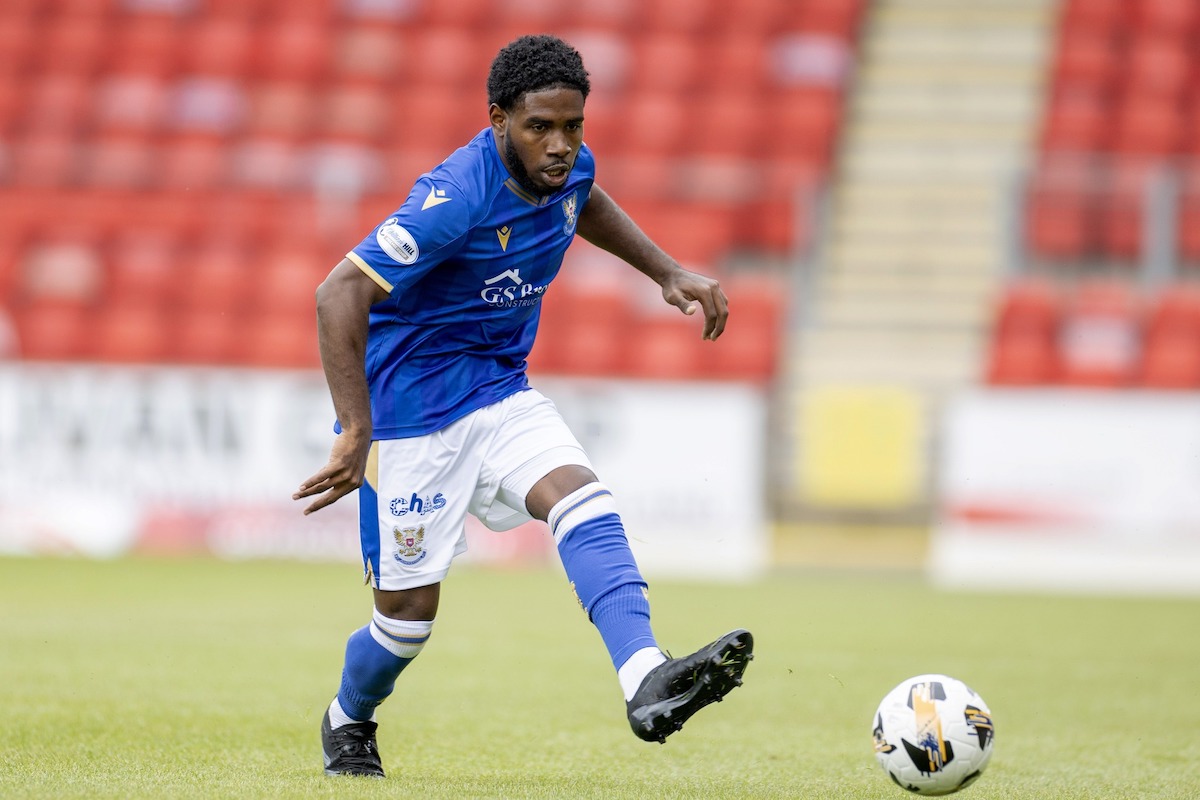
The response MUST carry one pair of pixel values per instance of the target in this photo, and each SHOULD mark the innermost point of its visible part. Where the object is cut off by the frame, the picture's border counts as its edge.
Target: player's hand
(343, 474)
(684, 289)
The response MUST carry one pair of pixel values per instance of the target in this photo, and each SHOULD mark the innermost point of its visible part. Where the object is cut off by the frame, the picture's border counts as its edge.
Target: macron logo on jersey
(436, 198)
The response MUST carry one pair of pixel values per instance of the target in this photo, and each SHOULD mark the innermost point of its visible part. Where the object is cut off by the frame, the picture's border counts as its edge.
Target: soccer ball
(933, 735)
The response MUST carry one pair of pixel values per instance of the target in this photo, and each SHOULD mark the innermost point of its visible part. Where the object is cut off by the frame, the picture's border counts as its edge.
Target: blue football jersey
(465, 261)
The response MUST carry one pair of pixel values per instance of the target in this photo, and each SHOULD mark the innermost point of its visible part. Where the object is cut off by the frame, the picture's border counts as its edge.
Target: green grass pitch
(203, 679)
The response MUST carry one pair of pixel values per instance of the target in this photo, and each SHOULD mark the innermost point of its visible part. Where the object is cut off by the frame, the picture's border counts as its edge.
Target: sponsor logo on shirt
(507, 290)
(395, 240)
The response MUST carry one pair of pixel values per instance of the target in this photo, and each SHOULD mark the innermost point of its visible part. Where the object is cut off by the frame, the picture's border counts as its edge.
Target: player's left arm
(606, 225)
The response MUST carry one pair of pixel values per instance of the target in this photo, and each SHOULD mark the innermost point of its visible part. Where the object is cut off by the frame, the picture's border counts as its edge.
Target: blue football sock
(598, 562)
(375, 657)
(369, 675)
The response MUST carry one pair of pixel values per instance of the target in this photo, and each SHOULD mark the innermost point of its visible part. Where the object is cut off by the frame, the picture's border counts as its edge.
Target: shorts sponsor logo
(410, 545)
(395, 240)
(416, 504)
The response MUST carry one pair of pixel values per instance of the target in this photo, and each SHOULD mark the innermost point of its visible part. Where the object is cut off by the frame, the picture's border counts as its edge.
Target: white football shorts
(413, 506)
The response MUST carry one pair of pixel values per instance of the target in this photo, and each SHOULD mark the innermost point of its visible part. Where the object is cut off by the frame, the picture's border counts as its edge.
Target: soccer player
(424, 330)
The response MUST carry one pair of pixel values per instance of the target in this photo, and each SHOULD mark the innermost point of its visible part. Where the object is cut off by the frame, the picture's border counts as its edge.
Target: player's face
(540, 138)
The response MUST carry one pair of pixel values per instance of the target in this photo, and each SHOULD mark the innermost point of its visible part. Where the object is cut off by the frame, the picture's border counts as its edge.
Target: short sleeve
(426, 230)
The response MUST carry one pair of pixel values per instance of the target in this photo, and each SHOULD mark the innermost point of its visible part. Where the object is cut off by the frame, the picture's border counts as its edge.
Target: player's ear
(499, 119)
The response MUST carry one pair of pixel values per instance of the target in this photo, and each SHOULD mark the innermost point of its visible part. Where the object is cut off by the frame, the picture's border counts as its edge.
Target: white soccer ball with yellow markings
(933, 735)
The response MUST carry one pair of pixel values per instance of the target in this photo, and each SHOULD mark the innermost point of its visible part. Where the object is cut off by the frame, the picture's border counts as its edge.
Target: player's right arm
(344, 301)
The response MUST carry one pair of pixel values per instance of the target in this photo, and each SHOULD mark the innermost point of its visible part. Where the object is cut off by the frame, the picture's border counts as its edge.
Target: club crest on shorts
(410, 544)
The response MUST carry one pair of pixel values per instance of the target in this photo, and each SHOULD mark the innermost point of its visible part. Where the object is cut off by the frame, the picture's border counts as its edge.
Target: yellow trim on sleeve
(370, 272)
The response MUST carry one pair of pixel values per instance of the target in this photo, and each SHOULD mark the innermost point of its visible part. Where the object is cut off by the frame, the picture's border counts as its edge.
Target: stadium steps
(946, 100)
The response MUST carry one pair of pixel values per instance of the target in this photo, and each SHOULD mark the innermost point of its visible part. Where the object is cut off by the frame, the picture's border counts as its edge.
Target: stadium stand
(192, 139)
(1110, 209)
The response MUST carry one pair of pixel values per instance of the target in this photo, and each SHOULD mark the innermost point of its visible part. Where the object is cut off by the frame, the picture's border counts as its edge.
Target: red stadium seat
(737, 63)
(738, 128)
(57, 102)
(276, 339)
(188, 163)
(358, 114)
(1022, 359)
(119, 161)
(837, 18)
(1175, 17)
(1171, 361)
(1024, 341)
(19, 36)
(656, 123)
(73, 45)
(1149, 130)
(281, 109)
(132, 332)
(805, 124)
(532, 14)
(1171, 357)
(757, 20)
(457, 13)
(688, 17)
(294, 49)
(1188, 222)
(1094, 15)
(144, 268)
(1123, 208)
(1087, 58)
(54, 331)
(206, 336)
(286, 279)
(47, 160)
(1077, 120)
(130, 103)
(220, 46)
(448, 57)
(216, 277)
(749, 348)
(86, 9)
(370, 54)
(1061, 210)
(148, 45)
(1100, 336)
(585, 328)
(1031, 305)
(668, 347)
(1160, 65)
(667, 62)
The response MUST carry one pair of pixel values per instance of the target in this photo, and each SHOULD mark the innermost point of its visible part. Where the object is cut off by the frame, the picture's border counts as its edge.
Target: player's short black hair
(532, 63)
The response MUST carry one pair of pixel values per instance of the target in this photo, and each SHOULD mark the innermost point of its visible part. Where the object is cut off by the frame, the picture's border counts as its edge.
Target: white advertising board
(1070, 490)
(102, 460)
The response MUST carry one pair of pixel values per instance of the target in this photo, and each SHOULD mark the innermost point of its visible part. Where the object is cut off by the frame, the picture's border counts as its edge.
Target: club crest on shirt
(570, 208)
(410, 544)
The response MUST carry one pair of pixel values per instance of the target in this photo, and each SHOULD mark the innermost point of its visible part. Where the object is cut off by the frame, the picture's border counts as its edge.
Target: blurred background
(960, 241)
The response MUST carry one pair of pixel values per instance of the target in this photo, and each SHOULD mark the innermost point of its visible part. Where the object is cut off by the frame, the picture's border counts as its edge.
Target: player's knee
(420, 602)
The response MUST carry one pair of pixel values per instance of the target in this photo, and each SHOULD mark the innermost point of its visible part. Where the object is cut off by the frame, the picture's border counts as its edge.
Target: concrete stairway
(945, 105)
